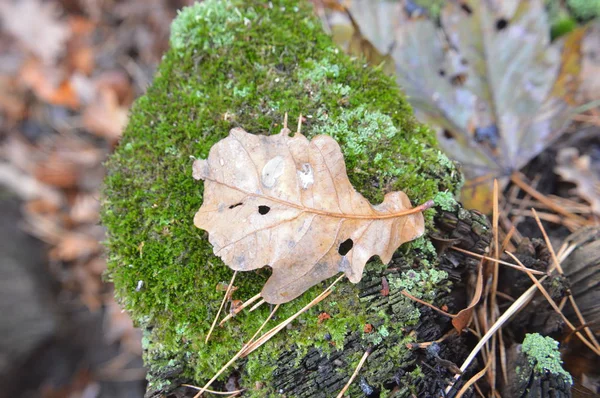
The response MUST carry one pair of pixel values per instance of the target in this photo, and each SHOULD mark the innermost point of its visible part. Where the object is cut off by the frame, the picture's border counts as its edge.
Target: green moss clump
(542, 353)
(247, 63)
(446, 201)
(584, 9)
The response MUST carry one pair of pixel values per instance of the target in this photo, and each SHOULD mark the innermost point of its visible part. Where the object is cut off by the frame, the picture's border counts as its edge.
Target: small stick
(236, 356)
(221, 307)
(458, 249)
(240, 308)
(360, 365)
(285, 117)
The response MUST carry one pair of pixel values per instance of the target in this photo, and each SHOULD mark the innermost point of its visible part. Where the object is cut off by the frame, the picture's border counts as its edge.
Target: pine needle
(239, 309)
(517, 179)
(480, 256)
(229, 288)
(560, 271)
(231, 393)
(510, 311)
(473, 379)
(255, 306)
(236, 356)
(558, 311)
(360, 365)
(268, 335)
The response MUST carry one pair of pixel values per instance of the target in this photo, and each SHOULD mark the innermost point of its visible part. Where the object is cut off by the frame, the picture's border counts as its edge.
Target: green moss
(544, 356)
(584, 9)
(247, 63)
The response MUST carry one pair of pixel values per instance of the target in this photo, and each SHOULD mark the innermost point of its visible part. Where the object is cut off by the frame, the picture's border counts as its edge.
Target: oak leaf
(287, 202)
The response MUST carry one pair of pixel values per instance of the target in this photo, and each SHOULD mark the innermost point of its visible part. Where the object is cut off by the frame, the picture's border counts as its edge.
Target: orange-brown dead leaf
(323, 316)
(368, 328)
(462, 319)
(105, 117)
(385, 287)
(49, 84)
(74, 245)
(287, 202)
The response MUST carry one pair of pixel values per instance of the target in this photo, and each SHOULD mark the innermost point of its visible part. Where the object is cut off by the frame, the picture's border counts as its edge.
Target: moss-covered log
(239, 63)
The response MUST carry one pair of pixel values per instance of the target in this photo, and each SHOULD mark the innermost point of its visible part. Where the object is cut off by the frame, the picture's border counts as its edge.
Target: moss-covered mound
(246, 63)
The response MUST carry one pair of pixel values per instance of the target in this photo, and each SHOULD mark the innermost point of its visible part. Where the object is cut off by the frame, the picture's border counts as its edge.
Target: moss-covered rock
(246, 63)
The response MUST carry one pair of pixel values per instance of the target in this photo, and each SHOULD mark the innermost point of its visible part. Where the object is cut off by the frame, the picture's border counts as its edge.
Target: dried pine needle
(555, 307)
(360, 365)
(255, 306)
(229, 288)
(558, 267)
(230, 393)
(480, 256)
(236, 356)
(239, 309)
(267, 336)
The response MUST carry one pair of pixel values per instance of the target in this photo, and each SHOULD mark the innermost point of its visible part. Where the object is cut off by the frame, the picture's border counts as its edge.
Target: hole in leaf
(235, 205)
(345, 247)
(448, 134)
(466, 8)
(442, 72)
(501, 24)
(262, 209)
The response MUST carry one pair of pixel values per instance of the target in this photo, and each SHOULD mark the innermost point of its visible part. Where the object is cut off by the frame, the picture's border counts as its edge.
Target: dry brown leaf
(286, 202)
(57, 171)
(578, 169)
(462, 319)
(105, 117)
(589, 87)
(37, 26)
(49, 84)
(74, 245)
(119, 327)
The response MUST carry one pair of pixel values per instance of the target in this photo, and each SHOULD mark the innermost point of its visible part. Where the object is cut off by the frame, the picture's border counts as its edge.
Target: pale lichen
(542, 353)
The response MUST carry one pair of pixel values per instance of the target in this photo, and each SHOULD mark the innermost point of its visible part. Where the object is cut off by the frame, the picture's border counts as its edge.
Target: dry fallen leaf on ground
(288, 203)
(486, 75)
(36, 24)
(579, 170)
